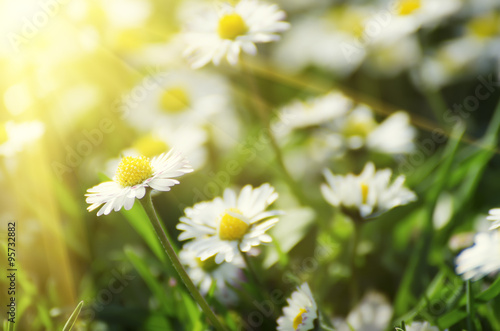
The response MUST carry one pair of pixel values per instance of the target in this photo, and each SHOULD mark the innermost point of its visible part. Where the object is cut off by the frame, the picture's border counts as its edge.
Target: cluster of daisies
(221, 230)
(186, 106)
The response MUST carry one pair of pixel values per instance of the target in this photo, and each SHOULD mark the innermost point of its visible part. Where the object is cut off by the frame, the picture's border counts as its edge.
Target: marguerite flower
(421, 326)
(373, 313)
(410, 15)
(301, 312)
(315, 111)
(227, 225)
(494, 215)
(175, 99)
(205, 273)
(481, 259)
(394, 135)
(368, 194)
(133, 176)
(225, 31)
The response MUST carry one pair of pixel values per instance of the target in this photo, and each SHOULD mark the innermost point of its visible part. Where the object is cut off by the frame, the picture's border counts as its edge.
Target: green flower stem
(352, 260)
(147, 204)
(251, 269)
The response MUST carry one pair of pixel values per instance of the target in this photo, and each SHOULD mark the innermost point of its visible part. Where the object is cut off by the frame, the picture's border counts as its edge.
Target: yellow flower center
(485, 26)
(364, 192)
(359, 126)
(150, 146)
(208, 265)
(3, 134)
(406, 7)
(174, 100)
(231, 26)
(348, 20)
(297, 321)
(133, 170)
(231, 227)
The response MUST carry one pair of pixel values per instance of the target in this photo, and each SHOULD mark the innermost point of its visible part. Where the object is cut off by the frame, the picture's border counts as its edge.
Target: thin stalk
(256, 279)
(147, 204)
(352, 262)
(251, 269)
(470, 306)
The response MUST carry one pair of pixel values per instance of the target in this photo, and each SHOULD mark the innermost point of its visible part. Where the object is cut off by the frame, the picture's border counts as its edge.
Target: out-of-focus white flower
(394, 135)
(466, 55)
(15, 137)
(368, 194)
(373, 313)
(494, 215)
(227, 225)
(301, 311)
(407, 16)
(133, 176)
(315, 111)
(321, 41)
(205, 273)
(421, 326)
(175, 99)
(226, 30)
(481, 259)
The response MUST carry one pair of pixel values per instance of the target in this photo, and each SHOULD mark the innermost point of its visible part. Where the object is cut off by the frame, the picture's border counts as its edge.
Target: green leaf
(154, 285)
(74, 316)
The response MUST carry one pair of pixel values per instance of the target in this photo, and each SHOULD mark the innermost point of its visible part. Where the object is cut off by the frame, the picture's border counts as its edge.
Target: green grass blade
(74, 316)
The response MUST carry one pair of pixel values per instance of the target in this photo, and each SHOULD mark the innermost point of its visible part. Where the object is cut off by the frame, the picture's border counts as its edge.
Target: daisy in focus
(230, 224)
(133, 176)
(301, 312)
(368, 194)
(225, 31)
(205, 273)
(482, 259)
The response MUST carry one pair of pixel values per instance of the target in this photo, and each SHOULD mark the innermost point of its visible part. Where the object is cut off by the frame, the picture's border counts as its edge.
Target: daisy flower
(394, 135)
(368, 194)
(173, 98)
(482, 258)
(408, 16)
(373, 313)
(314, 111)
(301, 312)
(494, 215)
(205, 273)
(226, 30)
(227, 225)
(421, 326)
(133, 176)
(14, 137)
(327, 40)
